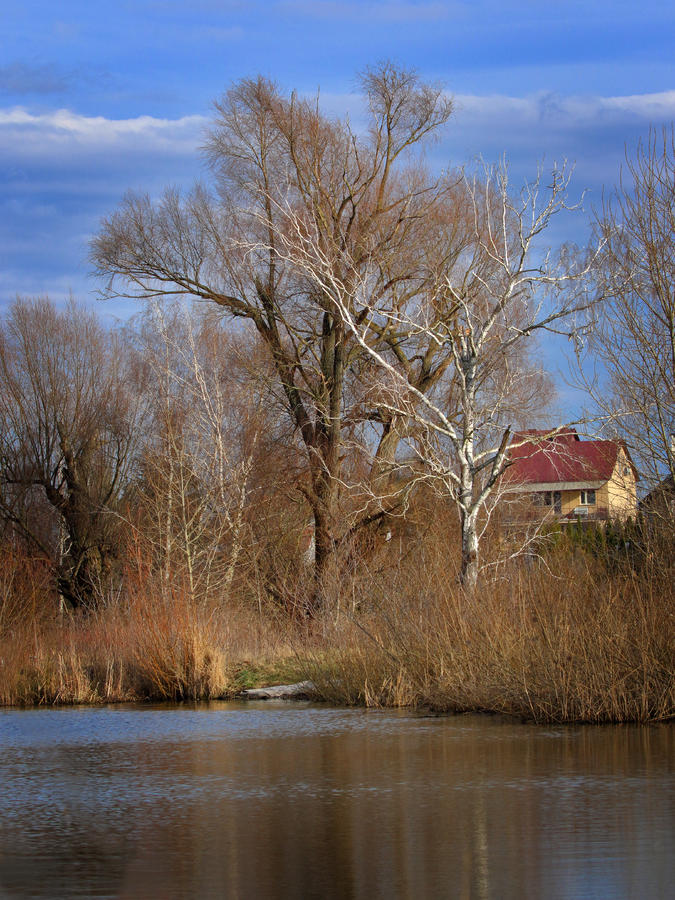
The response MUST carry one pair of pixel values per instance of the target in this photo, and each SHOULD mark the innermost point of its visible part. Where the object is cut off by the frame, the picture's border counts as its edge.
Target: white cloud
(41, 134)
(647, 106)
(38, 134)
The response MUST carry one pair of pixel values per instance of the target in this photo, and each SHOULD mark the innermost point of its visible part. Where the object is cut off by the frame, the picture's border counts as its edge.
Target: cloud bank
(59, 134)
(61, 171)
(570, 111)
(43, 134)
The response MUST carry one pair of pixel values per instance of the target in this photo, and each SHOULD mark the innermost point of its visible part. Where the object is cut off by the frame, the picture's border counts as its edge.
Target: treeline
(156, 543)
(301, 456)
(144, 441)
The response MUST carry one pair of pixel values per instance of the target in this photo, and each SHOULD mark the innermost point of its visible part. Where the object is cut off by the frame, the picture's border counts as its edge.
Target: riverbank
(534, 646)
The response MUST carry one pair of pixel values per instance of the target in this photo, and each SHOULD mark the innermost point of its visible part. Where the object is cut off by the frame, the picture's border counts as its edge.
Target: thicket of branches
(397, 307)
(332, 350)
(633, 345)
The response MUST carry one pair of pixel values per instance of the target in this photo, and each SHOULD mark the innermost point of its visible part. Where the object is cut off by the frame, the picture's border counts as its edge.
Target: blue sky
(96, 98)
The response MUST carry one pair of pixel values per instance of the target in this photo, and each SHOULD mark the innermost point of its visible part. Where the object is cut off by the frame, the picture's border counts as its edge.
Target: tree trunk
(326, 464)
(468, 574)
(325, 492)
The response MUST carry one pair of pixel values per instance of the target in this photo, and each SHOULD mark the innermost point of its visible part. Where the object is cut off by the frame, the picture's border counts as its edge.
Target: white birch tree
(479, 314)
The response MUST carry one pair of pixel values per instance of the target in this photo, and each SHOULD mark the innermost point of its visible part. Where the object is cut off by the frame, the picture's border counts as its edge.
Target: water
(294, 800)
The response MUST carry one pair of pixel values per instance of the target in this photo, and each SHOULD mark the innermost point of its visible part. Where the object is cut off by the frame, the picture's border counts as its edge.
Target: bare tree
(478, 315)
(367, 195)
(635, 339)
(194, 487)
(67, 434)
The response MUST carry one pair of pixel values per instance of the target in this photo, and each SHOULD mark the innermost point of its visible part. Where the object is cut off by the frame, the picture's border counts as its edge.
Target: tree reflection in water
(274, 800)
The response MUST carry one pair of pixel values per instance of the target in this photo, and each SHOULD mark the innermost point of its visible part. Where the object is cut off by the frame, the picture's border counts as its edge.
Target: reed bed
(564, 642)
(576, 646)
(152, 643)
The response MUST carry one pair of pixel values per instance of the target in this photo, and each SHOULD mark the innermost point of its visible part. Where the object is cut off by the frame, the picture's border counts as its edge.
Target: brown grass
(152, 643)
(568, 641)
(575, 645)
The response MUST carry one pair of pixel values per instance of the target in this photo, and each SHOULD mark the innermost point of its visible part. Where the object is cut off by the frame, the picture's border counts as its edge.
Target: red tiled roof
(564, 457)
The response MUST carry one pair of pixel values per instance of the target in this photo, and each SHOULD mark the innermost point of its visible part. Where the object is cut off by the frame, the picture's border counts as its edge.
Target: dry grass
(151, 644)
(161, 651)
(567, 642)
(577, 646)
(601, 652)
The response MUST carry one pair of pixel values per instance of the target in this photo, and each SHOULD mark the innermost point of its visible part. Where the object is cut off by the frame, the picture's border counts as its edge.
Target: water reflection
(263, 800)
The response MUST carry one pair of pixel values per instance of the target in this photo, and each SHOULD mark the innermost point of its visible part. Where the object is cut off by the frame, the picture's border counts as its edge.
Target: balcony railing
(586, 514)
(530, 515)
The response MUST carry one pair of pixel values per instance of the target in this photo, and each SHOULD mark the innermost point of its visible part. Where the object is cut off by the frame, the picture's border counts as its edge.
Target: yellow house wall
(621, 490)
(618, 495)
(602, 498)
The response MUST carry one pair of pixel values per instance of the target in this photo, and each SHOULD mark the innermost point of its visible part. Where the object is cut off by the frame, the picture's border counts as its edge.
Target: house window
(548, 498)
(588, 498)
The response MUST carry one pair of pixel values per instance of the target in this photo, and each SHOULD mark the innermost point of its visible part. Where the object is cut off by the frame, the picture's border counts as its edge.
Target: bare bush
(68, 428)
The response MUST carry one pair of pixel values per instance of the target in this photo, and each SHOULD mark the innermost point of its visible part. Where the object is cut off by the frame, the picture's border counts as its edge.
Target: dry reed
(566, 642)
(578, 645)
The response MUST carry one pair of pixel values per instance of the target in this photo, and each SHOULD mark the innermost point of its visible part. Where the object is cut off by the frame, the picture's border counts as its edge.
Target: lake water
(269, 799)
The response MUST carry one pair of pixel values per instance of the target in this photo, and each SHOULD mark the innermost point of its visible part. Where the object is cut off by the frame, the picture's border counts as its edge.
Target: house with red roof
(556, 473)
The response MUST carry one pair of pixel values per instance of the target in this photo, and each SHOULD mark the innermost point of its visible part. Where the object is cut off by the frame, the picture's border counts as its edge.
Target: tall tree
(477, 314)
(368, 195)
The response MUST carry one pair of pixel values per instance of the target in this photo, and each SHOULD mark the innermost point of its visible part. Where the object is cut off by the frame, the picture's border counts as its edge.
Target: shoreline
(300, 692)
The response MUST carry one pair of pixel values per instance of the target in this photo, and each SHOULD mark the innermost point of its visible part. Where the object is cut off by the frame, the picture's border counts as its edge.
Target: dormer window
(588, 498)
